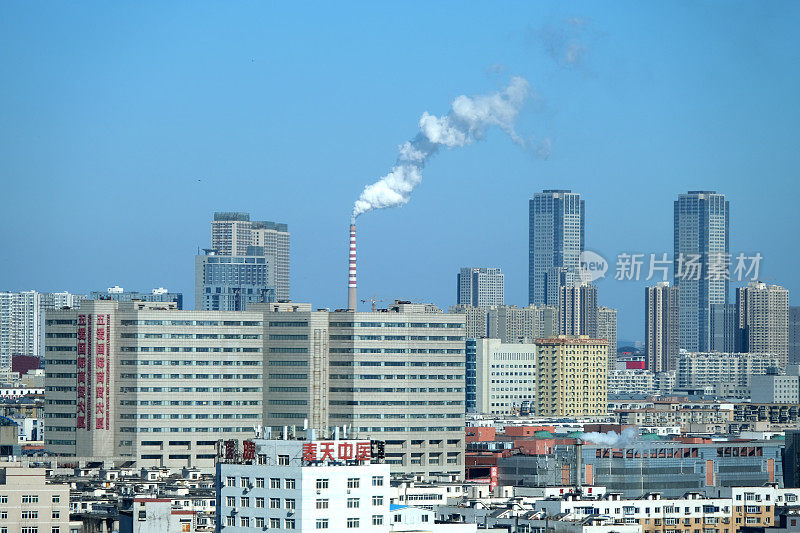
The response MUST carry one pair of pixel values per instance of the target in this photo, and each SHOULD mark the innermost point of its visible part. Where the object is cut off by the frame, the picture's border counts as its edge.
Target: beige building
(607, 329)
(28, 502)
(505, 377)
(395, 375)
(147, 381)
(571, 376)
(476, 320)
(763, 319)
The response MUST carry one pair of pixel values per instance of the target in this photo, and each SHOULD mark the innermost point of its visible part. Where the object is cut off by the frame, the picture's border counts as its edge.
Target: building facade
(480, 287)
(661, 327)
(577, 312)
(149, 382)
(703, 369)
(607, 329)
(476, 320)
(555, 241)
(30, 503)
(571, 376)
(230, 283)
(794, 334)
(396, 375)
(763, 319)
(701, 251)
(21, 315)
(505, 377)
(514, 324)
(233, 233)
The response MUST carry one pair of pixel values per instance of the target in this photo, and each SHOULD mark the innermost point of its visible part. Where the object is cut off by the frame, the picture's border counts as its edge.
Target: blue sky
(124, 126)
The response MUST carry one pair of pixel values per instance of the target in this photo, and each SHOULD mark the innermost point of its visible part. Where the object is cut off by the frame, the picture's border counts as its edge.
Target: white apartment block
(146, 381)
(775, 389)
(311, 485)
(704, 369)
(632, 381)
(28, 504)
(505, 376)
(21, 314)
(476, 320)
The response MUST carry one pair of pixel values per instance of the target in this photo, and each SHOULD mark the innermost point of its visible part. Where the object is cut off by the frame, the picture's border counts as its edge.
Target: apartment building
(514, 324)
(505, 377)
(28, 503)
(702, 369)
(571, 376)
(147, 381)
(756, 506)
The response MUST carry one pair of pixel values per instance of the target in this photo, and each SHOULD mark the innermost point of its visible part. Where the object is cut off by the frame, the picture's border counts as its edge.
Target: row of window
(396, 338)
(188, 402)
(190, 376)
(191, 323)
(399, 363)
(397, 376)
(450, 325)
(189, 389)
(397, 389)
(184, 416)
(183, 362)
(230, 336)
(397, 350)
(387, 416)
(232, 429)
(183, 349)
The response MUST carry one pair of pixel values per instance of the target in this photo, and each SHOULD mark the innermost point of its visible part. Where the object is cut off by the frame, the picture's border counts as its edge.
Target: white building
(505, 376)
(21, 321)
(309, 485)
(480, 287)
(513, 324)
(708, 369)
(776, 389)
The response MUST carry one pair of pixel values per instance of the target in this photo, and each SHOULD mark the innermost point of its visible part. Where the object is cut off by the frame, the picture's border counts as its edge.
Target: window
(245, 501)
(274, 503)
(56, 499)
(288, 523)
(283, 460)
(424, 518)
(751, 509)
(244, 521)
(275, 523)
(230, 481)
(322, 523)
(289, 483)
(377, 500)
(260, 503)
(230, 501)
(56, 514)
(289, 503)
(322, 503)
(230, 520)
(353, 483)
(322, 484)
(245, 481)
(260, 521)
(55, 529)
(259, 482)
(274, 482)
(377, 520)
(27, 515)
(30, 498)
(352, 523)
(30, 530)
(352, 503)
(3, 499)
(377, 481)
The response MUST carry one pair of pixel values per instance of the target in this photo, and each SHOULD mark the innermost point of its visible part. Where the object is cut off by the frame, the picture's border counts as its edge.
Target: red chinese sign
(94, 368)
(337, 451)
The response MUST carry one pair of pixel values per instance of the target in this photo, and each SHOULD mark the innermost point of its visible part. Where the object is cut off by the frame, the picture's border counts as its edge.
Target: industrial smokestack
(351, 280)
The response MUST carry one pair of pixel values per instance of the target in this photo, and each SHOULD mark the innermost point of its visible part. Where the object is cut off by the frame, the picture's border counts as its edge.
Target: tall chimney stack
(351, 282)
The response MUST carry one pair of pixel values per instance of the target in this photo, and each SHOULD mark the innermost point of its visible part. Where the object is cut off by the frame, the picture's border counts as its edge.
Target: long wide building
(161, 386)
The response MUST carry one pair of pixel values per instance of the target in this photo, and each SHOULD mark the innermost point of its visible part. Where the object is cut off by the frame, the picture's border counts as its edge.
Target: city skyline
(407, 252)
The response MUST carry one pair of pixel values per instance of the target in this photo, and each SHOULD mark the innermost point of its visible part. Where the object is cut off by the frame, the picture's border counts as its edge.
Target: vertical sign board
(94, 367)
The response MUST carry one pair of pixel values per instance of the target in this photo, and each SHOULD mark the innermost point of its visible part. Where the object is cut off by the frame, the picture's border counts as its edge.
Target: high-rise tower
(701, 248)
(555, 242)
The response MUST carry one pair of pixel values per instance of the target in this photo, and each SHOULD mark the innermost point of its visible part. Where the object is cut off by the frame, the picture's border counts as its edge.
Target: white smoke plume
(466, 122)
(612, 438)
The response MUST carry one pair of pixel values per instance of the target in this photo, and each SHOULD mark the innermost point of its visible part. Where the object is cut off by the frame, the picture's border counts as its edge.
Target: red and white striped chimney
(351, 281)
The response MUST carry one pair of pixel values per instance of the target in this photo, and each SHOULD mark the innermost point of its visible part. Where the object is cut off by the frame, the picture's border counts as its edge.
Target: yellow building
(572, 376)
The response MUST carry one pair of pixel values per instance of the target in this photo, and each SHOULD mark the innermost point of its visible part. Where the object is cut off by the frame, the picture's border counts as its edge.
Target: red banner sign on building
(337, 451)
